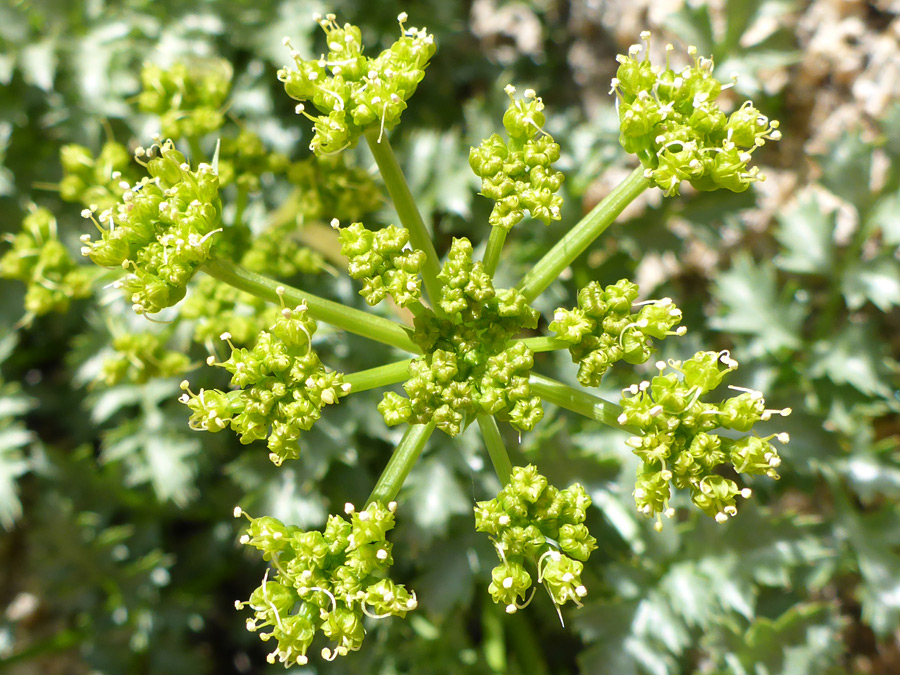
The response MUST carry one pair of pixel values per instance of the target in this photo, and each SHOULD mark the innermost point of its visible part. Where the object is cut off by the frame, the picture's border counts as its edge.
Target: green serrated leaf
(876, 280)
(751, 304)
(806, 233)
(852, 357)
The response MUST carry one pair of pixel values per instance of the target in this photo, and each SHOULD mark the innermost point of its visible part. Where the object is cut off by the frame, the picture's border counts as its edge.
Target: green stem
(492, 252)
(381, 376)
(544, 343)
(582, 235)
(495, 447)
(407, 210)
(579, 402)
(400, 463)
(351, 320)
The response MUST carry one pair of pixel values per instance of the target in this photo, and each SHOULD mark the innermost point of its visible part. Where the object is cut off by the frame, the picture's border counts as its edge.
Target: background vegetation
(118, 551)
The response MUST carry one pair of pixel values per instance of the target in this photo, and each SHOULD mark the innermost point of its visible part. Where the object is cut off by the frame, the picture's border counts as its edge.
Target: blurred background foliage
(118, 551)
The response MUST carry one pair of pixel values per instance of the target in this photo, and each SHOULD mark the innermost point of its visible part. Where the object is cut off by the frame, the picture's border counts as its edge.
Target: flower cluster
(40, 260)
(518, 175)
(329, 187)
(602, 329)
(140, 357)
(354, 92)
(244, 158)
(384, 260)
(161, 230)
(672, 121)
(324, 582)
(189, 98)
(532, 520)
(219, 308)
(677, 446)
(282, 388)
(468, 366)
(96, 181)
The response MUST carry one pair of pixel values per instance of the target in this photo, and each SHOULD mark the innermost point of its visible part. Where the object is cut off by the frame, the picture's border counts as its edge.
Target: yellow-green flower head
(353, 92)
(518, 174)
(161, 231)
(678, 447)
(100, 181)
(671, 120)
(40, 260)
(468, 367)
(324, 582)
(281, 388)
(531, 519)
(188, 97)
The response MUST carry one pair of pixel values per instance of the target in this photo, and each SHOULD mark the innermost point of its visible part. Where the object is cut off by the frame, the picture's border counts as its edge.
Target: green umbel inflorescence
(672, 121)
(161, 231)
(140, 357)
(243, 159)
(40, 260)
(469, 367)
(385, 261)
(678, 448)
(282, 387)
(219, 308)
(324, 582)
(98, 182)
(531, 520)
(351, 91)
(189, 98)
(603, 330)
(518, 174)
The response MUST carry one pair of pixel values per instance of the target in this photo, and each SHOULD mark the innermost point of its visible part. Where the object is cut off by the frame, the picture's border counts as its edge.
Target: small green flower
(282, 387)
(677, 446)
(40, 260)
(671, 120)
(603, 330)
(188, 97)
(161, 231)
(324, 582)
(140, 357)
(518, 174)
(530, 520)
(468, 367)
(353, 92)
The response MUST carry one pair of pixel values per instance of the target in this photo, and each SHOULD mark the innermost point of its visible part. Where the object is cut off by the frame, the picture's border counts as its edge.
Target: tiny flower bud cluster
(672, 122)
(602, 329)
(324, 582)
(329, 187)
(469, 367)
(678, 447)
(283, 387)
(385, 261)
(531, 519)
(140, 357)
(161, 230)
(99, 181)
(518, 175)
(219, 308)
(243, 159)
(354, 92)
(40, 260)
(189, 98)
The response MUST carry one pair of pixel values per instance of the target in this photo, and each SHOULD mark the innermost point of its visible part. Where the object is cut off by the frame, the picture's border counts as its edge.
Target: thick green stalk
(401, 462)
(492, 252)
(407, 210)
(495, 447)
(544, 343)
(576, 240)
(579, 402)
(380, 376)
(340, 316)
